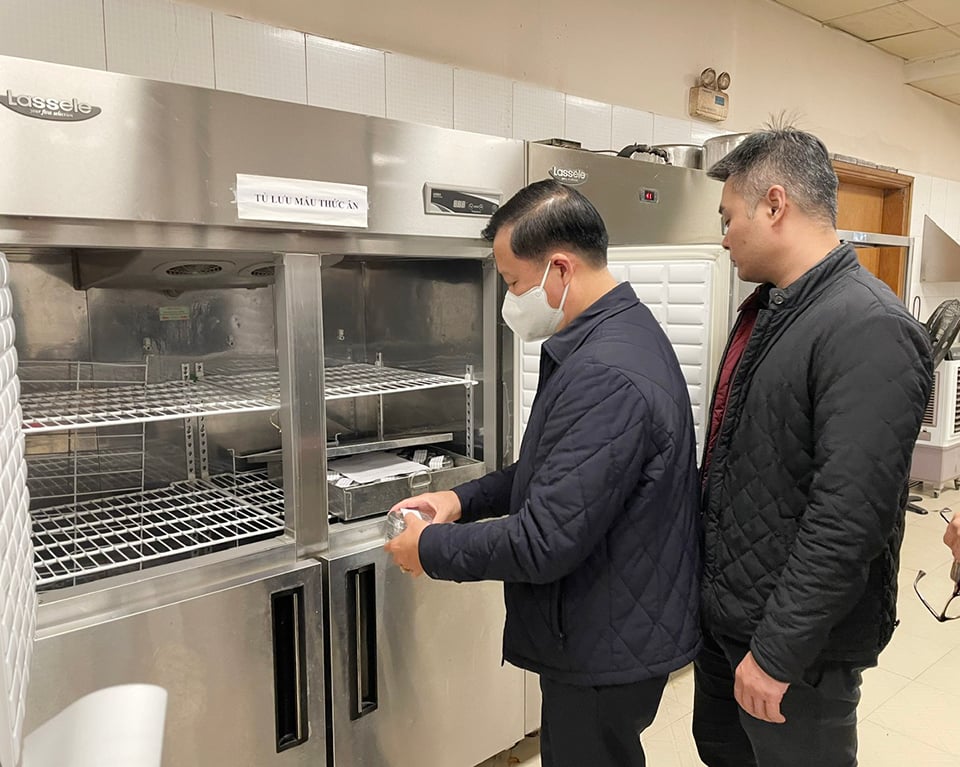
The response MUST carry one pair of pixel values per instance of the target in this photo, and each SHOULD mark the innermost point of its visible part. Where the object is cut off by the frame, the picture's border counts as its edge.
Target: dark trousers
(821, 714)
(596, 726)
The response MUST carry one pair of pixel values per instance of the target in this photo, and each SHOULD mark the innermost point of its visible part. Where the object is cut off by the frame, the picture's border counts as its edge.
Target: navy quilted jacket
(599, 548)
(804, 499)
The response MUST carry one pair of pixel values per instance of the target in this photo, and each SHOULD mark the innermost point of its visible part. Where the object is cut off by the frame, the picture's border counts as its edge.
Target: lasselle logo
(60, 110)
(568, 176)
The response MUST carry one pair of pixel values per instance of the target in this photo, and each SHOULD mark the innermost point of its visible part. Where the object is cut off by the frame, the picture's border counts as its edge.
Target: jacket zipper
(558, 613)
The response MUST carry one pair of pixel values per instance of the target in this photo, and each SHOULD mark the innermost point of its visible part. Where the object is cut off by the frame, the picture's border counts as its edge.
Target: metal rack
(60, 475)
(360, 380)
(342, 381)
(76, 542)
(114, 406)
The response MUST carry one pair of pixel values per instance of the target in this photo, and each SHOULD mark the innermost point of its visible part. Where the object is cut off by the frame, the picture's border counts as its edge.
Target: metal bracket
(202, 433)
(470, 415)
(188, 435)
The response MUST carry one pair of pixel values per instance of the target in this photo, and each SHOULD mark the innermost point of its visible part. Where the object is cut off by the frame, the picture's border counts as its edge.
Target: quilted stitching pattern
(804, 511)
(599, 548)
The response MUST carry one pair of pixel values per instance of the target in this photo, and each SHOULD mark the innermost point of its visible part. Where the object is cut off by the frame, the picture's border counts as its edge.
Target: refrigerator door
(242, 665)
(416, 678)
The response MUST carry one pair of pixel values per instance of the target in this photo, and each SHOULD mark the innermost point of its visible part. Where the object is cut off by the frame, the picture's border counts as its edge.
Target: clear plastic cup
(395, 522)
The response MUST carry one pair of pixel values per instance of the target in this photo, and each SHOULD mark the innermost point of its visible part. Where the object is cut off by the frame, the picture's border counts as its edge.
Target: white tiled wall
(182, 43)
(346, 77)
(631, 126)
(419, 91)
(538, 113)
(482, 103)
(588, 122)
(670, 130)
(160, 40)
(61, 31)
(259, 60)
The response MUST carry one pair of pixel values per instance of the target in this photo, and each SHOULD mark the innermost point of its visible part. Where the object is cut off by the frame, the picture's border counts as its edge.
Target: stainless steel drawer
(377, 498)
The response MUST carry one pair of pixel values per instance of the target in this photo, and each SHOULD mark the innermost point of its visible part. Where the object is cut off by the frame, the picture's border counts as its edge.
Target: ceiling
(925, 33)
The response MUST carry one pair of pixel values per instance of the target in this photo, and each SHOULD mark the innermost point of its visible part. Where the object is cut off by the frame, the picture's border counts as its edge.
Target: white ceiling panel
(944, 12)
(888, 21)
(916, 45)
(941, 86)
(824, 10)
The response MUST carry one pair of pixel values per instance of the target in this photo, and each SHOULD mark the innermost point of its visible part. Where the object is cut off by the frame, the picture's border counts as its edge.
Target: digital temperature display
(451, 201)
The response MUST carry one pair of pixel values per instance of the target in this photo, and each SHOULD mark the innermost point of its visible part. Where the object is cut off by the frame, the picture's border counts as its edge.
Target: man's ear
(564, 263)
(776, 202)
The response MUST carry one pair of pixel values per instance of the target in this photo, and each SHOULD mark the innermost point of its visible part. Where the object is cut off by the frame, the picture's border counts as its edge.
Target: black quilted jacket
(804, 497)
(599, 550)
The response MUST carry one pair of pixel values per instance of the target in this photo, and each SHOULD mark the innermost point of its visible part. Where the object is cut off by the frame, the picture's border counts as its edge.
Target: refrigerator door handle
(362, 640)
(289, 667)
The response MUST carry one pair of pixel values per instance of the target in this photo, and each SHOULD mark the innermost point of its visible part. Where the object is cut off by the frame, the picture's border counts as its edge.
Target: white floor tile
(672, 746)
(909, 655)
(880, 747)
(923, 713)
(879, 685)
(944, 675)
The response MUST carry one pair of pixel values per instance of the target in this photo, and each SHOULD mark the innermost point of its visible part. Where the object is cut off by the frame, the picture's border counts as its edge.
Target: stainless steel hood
(140, 166)
(940, 256)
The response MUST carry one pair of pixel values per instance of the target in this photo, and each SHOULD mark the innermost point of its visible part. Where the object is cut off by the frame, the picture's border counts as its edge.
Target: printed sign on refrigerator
(298, 201)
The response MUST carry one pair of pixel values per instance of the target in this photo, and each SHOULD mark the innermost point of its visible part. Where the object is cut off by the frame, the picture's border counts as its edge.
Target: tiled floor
(910, 710)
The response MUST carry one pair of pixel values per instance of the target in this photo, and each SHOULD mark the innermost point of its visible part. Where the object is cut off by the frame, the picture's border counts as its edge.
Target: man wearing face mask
(594, 530)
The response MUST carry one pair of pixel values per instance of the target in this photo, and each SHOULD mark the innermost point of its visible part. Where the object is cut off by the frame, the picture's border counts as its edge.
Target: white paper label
(268, 198)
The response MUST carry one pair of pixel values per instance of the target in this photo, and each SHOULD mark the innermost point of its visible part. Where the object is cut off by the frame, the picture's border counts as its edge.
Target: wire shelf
(66, 396)
(118, 405)
(55, 475)
(95, 538)
(360, 380)
(263, 385)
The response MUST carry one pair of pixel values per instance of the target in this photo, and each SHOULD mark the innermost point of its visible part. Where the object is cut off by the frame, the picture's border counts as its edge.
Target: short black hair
(796, 160)
(547, 215)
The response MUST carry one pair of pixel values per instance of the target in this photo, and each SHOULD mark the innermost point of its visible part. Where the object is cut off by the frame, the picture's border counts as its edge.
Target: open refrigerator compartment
(94, 538)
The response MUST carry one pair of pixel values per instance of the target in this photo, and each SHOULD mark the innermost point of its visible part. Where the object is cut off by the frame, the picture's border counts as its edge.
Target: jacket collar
(561, 345)
(838, 261)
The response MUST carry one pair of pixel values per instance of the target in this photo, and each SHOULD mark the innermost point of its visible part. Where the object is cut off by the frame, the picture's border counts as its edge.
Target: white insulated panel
(680, 292)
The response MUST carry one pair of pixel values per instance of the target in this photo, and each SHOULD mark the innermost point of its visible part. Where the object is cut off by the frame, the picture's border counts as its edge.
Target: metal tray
(368, 500)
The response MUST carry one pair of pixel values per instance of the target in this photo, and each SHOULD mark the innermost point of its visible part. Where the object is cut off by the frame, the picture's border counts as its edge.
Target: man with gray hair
(803, 480)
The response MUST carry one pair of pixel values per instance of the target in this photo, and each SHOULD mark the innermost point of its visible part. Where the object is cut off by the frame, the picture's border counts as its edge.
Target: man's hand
(758, 693)
(406, 546)
(444, 506)
(952, 536)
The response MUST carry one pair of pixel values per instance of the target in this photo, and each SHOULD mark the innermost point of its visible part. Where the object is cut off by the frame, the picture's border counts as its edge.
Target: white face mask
(530, 315)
